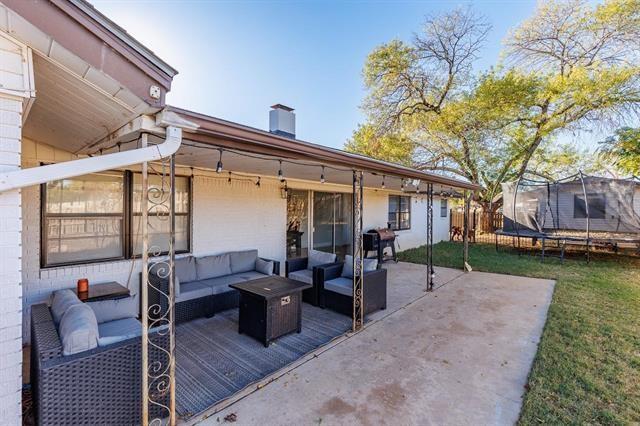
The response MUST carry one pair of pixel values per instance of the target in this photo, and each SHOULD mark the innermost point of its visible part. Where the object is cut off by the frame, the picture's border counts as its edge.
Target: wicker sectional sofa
(202, 283)
(100, 385)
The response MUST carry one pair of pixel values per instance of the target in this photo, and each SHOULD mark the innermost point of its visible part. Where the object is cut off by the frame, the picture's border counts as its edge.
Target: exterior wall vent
(282, 121)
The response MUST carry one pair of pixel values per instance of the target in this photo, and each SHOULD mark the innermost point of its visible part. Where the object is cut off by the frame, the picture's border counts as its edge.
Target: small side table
(103, 291)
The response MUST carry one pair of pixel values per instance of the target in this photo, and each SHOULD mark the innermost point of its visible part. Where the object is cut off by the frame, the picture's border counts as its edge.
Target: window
(444, 207)
(159, 216)
(597, 206)
(83, 219)
(97, 217)
(399, 212)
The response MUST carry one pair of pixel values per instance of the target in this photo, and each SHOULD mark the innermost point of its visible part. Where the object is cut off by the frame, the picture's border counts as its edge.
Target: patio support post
(430, 270)
(172, 295)
(358, 308)
(158, 346)
(465, 231)
(144, 295)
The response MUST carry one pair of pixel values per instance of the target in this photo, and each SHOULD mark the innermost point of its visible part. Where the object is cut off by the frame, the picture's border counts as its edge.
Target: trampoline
(579, 210)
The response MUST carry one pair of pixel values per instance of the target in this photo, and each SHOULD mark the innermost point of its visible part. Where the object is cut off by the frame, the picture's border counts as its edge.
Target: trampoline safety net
(582, 206)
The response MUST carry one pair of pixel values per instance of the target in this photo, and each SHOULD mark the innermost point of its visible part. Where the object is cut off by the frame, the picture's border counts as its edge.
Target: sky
(236, 58)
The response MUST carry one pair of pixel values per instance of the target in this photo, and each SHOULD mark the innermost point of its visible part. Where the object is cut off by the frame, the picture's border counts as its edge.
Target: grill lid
(385, 233)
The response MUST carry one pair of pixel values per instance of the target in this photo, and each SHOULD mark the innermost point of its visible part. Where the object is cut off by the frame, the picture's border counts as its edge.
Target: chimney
(282, 121)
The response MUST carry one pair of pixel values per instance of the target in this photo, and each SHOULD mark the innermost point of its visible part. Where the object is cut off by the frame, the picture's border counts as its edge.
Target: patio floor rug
(214, 362)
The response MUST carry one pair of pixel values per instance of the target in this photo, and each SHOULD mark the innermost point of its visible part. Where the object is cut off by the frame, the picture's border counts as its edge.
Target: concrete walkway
(459, 355)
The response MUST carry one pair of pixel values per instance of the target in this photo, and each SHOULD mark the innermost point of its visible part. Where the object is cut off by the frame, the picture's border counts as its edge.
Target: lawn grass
(587, 369)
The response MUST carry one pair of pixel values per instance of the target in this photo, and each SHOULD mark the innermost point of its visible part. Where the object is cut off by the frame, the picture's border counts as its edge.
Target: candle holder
(83, 288)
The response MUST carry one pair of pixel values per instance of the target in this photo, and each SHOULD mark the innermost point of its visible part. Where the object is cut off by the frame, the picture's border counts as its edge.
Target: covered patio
(148, 221)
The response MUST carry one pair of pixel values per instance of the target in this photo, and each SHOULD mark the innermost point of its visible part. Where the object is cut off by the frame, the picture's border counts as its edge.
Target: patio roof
(302, 159)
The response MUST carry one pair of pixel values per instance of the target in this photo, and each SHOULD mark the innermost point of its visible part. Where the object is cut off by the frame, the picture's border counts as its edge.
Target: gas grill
(377, 240)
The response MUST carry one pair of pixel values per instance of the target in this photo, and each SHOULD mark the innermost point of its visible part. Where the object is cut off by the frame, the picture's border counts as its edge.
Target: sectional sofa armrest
(276, 265)
(292, 265)
(327, 272)
(376, 278)
(45, 340)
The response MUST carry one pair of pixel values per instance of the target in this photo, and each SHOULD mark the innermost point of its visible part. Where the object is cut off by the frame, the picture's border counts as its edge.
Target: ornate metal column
(430, 270)
(465, 231)
(158, 323)
(358, 253)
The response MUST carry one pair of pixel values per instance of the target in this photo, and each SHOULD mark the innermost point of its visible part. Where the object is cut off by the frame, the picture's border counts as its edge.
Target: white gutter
(37, 175)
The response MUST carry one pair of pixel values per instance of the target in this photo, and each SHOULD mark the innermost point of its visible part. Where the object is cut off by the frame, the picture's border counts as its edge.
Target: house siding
(15, 88)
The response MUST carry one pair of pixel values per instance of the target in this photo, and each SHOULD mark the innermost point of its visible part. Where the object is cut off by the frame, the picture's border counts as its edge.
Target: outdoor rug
(213, 361)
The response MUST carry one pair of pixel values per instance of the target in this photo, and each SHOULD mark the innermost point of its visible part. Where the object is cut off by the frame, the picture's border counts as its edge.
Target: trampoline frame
(562, 240)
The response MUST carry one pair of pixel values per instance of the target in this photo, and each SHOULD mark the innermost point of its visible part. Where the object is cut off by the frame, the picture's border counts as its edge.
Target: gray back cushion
(186, 269)
(213, 266)
(264, 266)
(62, 300)
(347, 269)
(78, 329)
(317, 258)
(114, 309)
(243, 261)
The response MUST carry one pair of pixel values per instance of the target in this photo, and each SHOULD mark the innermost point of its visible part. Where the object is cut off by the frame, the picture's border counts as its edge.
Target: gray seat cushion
(317, 258)
(340, 285)
(78, 329)
(304, 275)
(243, 261)
(221, 284)
(264, 266)
(193, 290)
(251, 275)
(186, 269)
(212, 266)
(62, 300)
(111, 332)
(368, 265)
(114, 309)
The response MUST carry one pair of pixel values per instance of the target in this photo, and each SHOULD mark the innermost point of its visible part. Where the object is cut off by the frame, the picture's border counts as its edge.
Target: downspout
(38, 175)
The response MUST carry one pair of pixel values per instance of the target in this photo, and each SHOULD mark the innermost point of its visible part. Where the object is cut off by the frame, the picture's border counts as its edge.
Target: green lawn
(587, 369)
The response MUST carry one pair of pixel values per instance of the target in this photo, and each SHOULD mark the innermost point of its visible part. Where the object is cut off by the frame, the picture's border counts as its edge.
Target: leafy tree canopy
(569, 67)
(623, 150)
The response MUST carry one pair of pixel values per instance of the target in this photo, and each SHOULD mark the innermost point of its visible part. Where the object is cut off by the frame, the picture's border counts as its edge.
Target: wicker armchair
(374, 291)
(98, 386)
(310, 295)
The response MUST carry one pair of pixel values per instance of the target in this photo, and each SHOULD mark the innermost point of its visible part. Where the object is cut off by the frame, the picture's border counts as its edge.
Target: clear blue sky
(236, 58)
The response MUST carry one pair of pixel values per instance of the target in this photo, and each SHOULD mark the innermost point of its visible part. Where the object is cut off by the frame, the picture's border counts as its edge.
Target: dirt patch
(391, 396)
(337, 407)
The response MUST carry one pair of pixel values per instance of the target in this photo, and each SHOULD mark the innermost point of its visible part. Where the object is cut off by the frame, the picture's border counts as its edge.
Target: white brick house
(61, 101)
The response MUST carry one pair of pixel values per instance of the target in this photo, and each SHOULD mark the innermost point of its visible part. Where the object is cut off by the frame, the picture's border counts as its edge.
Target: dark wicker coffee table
(270, 307)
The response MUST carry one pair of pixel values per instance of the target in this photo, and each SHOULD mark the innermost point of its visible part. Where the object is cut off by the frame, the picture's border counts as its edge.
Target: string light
(229, 180)
(258, 182)
(322, 176)
(280, 175)
(383, 185)
(402, 185)
(417, 188)
(219, 166)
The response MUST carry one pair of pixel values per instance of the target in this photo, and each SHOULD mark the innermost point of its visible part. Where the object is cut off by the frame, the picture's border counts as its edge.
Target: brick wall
(10, 266)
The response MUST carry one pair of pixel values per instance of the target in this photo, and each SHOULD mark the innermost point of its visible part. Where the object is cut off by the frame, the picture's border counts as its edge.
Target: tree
(396, 148)
(623, 150)
(569, 67)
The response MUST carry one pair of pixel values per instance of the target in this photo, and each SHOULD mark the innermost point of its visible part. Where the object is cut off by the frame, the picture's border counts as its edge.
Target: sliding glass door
(332, 223)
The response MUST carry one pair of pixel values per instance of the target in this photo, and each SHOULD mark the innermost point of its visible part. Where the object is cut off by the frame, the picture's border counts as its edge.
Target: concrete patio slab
(459, 355)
